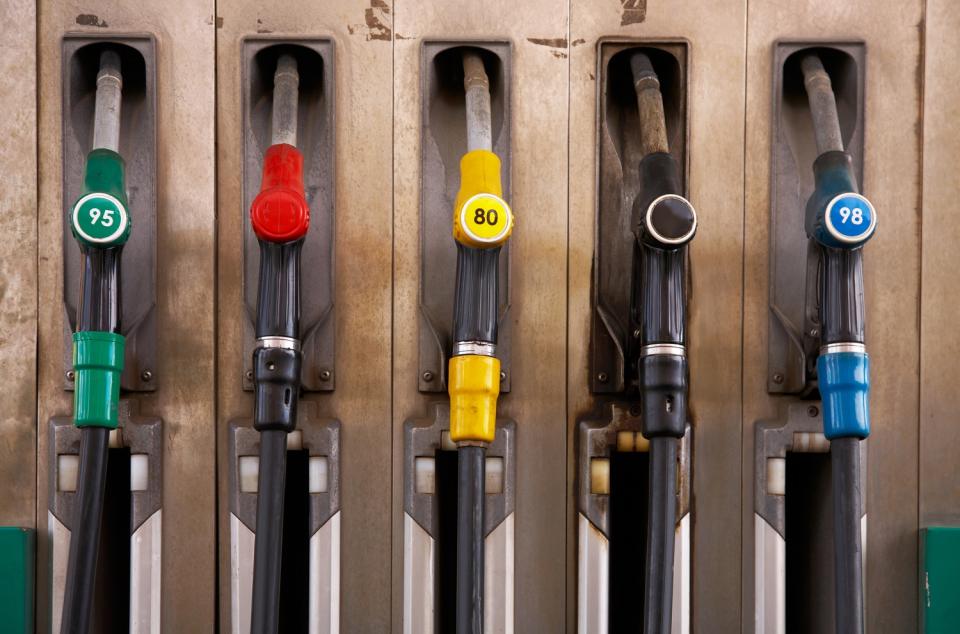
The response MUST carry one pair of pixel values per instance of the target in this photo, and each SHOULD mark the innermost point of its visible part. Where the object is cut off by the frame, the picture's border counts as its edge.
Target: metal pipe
(848, 546)
(106, 117)
(477, 88)
(286, 83)
(653, 126)
(823, 104)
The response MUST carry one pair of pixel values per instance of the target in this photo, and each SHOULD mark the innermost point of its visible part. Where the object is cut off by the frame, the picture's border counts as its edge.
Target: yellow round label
(486, 219)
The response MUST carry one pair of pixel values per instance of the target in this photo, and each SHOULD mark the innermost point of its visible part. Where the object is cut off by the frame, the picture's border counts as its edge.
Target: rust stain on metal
(375, 20)
(261, 28)
(89, 19)
(578, 42)
(556, 42)
(559, 54)
(634, 12)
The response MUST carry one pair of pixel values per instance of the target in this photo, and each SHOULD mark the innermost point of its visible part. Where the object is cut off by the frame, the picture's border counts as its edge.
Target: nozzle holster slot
(621, 183)
(138, 148)
(444, 143)
(795, 331)
(315, 141)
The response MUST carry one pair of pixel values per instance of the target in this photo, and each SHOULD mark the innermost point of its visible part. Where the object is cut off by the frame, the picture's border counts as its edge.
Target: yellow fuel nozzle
(481, 217)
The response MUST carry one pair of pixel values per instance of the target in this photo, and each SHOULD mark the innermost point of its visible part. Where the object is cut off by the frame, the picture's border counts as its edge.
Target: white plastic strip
(776, 476)
(324, 609)
(319, 474)
(770, 579)
(59, 540)
(139, 471)
(68, 466)
(593, 578)
(145, 566)
(498, 579)
(681, 578)
(419, 571)
(241, 575)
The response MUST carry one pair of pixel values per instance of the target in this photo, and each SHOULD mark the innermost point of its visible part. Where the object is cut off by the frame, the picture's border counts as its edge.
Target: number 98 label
(99, 218)
(850, 218)
(486, 220)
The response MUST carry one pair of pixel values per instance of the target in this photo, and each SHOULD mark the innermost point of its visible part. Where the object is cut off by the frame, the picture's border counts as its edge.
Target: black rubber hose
(470, 490)
(268, 546)
(85, 531)
(847, 542)
(658, 603)
(99, 311)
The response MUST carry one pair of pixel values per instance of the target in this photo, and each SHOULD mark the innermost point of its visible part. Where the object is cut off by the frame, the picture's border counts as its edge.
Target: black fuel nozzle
(664, 222)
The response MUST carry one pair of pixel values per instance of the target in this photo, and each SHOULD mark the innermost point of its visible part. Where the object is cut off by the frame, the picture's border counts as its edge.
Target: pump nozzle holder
(280, 213)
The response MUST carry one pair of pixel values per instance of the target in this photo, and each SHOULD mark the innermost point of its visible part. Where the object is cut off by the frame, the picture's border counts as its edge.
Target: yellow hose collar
(474, 385)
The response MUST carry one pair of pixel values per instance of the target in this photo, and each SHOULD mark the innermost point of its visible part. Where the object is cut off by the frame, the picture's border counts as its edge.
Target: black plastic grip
(100, 290)
(841, 300)
(659, 294)
(476, 295)
(663, 394)
(276, 378)
(278, 301)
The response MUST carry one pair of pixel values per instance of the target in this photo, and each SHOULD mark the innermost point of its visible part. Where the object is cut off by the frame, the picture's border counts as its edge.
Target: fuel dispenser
(284, 464)
(809, 510)
(633, 452)
(105, 460)
(459, 463)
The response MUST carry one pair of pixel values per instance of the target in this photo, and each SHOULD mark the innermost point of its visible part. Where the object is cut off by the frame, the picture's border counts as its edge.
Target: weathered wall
(911, 147)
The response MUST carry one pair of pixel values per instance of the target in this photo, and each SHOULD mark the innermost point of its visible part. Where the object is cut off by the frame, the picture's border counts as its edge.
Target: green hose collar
(97, 364)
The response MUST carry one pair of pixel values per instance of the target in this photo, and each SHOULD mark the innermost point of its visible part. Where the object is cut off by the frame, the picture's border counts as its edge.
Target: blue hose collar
(844, 379)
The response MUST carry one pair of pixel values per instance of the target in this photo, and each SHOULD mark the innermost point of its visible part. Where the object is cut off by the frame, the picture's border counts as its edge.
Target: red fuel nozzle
(280, 213)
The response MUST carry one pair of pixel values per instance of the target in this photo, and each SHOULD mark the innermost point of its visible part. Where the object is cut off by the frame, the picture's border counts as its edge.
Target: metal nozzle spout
(106, 118)
(286, 84)
(823, 104)
(653, 127)
(476, 84)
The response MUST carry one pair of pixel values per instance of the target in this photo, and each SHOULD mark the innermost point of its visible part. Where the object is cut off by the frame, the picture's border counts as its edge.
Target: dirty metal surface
(184, 32)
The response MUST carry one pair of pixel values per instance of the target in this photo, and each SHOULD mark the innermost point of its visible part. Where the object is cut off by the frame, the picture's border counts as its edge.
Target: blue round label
(850, 218)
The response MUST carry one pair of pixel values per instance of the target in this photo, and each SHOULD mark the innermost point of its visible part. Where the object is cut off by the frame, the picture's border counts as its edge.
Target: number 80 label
(850, 218)
(484, 220)
(99, 218)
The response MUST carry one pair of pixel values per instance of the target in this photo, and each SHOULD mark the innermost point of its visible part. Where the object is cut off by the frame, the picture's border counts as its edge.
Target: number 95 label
(486, 220)
(850, 218)
(99, 218)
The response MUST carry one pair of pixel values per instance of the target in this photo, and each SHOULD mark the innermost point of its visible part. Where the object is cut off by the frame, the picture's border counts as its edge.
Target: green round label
(99, 218)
